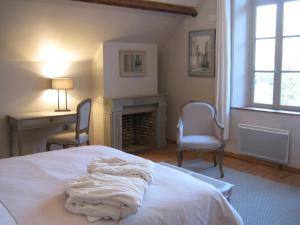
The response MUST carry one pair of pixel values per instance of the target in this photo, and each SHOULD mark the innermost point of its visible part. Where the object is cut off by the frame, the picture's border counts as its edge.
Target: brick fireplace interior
(138, 131)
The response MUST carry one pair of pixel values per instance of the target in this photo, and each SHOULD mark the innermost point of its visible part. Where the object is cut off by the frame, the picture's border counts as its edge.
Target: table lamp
(62, 84)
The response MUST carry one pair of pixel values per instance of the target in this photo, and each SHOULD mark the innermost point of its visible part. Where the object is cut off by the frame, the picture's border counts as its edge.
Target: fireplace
(138, 131)
(135, 123)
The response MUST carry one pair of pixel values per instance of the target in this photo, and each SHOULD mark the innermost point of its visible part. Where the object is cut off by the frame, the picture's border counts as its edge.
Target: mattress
(32, 191)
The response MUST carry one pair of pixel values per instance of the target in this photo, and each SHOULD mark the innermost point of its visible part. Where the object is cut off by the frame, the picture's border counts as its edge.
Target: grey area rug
(259, 201)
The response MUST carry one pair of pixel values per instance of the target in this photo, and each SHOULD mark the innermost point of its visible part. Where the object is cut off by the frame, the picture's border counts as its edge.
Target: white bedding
(5, 217)
(32, 188)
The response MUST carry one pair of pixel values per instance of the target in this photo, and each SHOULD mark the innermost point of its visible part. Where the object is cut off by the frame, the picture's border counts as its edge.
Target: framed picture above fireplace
(202, 53)
(132, 63)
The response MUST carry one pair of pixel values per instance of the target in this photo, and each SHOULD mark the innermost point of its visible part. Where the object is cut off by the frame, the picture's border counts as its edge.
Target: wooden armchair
(199, 130)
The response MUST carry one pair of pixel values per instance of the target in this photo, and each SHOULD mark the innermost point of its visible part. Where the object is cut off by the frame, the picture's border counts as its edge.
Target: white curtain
(223, 61)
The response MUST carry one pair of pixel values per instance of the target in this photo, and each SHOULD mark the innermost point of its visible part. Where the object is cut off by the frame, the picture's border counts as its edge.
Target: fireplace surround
(135, 121)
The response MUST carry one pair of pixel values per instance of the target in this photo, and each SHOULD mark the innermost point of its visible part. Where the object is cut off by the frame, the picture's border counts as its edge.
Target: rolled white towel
(130, 168)
(103, 196)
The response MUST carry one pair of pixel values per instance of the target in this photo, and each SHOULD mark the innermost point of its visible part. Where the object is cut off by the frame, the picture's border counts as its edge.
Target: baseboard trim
(255, 160)
(262, 162)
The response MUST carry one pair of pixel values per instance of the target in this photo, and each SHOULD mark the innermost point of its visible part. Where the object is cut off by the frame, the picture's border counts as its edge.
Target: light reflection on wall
(49, 96)
(54, 62)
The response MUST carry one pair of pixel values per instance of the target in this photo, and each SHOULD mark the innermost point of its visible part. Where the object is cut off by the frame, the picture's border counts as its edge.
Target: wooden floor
(168, 154)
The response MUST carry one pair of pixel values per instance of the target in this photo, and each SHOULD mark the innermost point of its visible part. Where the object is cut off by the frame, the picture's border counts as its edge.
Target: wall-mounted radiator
(264, 142)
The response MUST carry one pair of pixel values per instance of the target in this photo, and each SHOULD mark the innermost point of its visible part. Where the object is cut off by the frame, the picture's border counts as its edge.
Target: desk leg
(20, 143)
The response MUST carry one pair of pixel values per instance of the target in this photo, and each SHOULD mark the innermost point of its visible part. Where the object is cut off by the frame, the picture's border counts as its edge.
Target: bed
(32, 192)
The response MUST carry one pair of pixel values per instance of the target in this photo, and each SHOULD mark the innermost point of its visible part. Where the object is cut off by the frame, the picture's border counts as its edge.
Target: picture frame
(132, 63)
(202, 53)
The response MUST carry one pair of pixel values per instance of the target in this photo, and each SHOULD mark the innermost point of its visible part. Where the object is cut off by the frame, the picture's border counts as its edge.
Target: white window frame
(278, 56)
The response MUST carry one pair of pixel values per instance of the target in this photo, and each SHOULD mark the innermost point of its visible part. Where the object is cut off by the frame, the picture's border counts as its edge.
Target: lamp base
(62, 110)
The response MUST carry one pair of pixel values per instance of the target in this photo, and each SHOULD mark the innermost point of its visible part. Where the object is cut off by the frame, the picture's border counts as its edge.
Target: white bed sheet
(32, 188)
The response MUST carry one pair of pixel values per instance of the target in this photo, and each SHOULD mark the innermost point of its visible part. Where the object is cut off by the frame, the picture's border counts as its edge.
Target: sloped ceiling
(28, 27)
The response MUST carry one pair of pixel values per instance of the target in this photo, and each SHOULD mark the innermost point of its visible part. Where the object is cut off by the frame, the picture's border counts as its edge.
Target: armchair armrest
(219, 124)
(221, 128)
(179, 130)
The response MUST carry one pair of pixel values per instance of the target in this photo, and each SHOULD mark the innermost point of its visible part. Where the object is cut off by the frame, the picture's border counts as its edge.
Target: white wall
(24, 89)
(117, 86)
(98, 91)
(65, 33)
(241, 42)
(173, 67)
(78, 27)
(279, 121)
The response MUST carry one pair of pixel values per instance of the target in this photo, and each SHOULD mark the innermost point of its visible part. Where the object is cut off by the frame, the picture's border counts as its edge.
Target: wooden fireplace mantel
(148, 5)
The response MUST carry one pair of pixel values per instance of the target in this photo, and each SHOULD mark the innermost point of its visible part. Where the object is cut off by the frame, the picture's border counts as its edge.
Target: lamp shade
(62, 83)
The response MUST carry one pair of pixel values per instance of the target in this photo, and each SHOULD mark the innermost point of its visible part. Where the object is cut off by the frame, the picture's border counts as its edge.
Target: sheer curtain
(223, 62)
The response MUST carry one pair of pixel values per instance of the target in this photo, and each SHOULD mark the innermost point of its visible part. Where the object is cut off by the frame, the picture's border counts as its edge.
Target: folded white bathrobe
(108, 192)
(120, 167)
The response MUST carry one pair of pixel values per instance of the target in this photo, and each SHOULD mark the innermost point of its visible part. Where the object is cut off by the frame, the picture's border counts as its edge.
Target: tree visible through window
(276, 64)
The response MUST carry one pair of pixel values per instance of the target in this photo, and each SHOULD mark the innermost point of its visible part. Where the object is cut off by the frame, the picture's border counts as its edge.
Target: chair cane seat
(67, 138)
(199, 142)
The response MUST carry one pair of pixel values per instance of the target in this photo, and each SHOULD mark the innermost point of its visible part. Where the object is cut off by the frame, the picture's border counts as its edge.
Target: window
(276, 55)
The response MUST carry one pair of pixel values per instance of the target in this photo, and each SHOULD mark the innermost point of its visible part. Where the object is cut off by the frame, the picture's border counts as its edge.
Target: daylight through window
(276, 55)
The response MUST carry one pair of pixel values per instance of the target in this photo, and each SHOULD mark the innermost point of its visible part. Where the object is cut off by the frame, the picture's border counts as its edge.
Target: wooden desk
(22, 121)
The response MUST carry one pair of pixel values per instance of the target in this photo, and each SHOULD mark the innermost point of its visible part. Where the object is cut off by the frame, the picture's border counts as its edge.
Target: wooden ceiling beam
(148, 5)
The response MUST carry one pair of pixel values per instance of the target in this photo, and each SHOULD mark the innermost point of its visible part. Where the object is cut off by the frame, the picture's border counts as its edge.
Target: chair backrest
(198, 118)
(83, 117)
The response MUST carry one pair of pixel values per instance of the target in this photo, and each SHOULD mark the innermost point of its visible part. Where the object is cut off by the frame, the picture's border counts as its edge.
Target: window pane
(291, 18)
(291, 54)
(290, 89)
(263, 88)
(266, 21)
(265, 54)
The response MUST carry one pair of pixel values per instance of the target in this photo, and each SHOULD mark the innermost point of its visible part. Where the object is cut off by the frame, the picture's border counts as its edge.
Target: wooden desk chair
(80, 135)
(199, 130)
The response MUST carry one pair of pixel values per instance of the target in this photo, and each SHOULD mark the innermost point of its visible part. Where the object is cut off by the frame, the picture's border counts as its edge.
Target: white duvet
(32, 188)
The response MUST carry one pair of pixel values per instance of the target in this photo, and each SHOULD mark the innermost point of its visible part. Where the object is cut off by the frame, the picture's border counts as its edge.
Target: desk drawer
(48, 121)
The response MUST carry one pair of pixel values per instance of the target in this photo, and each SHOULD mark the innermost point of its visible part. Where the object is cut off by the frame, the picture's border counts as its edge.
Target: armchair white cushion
(200, 142)
(199, 130)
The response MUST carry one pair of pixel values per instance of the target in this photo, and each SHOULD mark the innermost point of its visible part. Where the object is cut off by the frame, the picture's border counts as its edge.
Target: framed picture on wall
(132, 63)
(202, 53)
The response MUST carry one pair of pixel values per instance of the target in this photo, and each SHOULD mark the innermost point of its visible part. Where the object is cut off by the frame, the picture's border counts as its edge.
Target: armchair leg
(221, 157)
(88, 142)
(48, 147)
(215, 158)
(179, 157)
